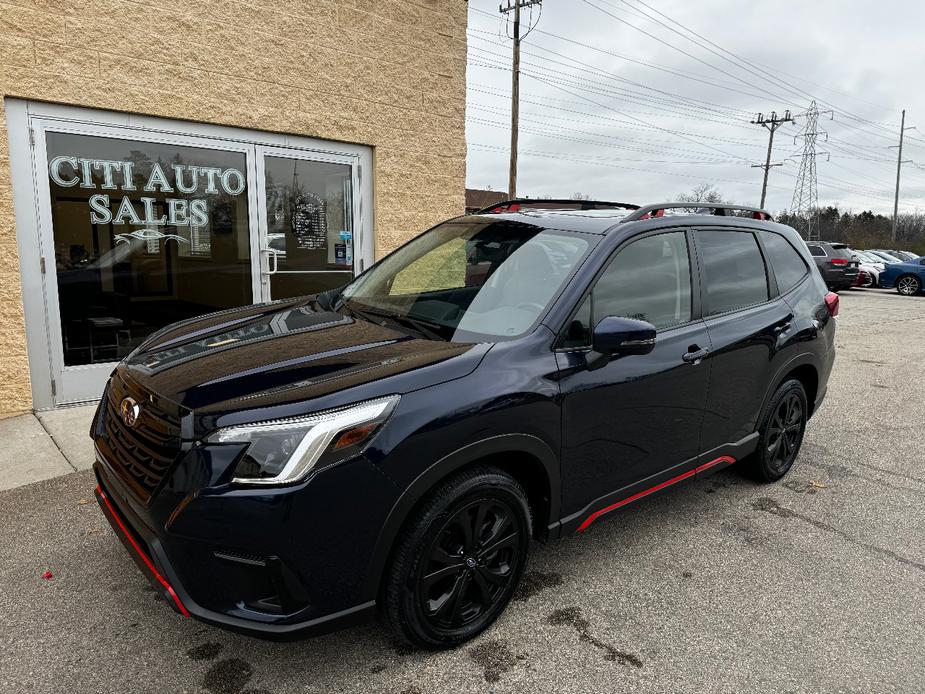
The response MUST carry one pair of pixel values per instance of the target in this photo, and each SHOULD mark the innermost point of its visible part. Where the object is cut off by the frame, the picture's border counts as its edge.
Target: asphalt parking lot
(813, 584)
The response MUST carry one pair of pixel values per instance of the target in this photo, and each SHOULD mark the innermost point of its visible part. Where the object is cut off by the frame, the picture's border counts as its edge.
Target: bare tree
(580, 196)
(705, 192)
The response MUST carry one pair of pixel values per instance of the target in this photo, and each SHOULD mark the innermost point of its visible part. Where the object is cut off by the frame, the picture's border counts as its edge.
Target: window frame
(770, 279)
(694, 266)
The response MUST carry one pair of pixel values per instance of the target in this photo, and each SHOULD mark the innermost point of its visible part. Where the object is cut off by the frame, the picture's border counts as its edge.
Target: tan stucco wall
(390, 74)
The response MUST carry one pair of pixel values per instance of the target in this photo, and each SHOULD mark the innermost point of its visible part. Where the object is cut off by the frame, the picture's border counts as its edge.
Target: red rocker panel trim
(645, 492)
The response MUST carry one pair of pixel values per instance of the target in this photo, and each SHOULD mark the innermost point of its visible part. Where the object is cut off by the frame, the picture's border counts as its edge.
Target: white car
(870, 264)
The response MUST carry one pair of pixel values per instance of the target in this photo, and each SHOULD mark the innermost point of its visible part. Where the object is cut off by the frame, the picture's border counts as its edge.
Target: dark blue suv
(292, 467)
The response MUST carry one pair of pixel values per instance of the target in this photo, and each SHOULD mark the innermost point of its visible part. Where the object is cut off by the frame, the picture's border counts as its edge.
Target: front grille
(142, 454)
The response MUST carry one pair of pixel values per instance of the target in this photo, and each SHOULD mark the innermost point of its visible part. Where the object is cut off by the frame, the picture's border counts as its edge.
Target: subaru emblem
(130, 410)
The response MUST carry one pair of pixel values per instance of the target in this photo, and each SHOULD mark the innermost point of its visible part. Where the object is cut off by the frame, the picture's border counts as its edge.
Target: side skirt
(715, 459)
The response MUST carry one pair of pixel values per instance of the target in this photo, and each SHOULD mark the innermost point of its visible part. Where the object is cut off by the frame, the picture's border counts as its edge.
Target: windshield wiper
(423, 328)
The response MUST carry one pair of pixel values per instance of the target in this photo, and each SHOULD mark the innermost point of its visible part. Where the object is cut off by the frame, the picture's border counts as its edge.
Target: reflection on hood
(286, 322)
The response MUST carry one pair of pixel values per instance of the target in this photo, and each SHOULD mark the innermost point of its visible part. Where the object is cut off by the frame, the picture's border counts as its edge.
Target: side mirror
(614, 335)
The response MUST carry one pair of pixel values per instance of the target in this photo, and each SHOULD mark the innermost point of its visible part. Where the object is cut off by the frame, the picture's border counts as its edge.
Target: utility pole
(899, 166)
(772, 124)
(515, 6)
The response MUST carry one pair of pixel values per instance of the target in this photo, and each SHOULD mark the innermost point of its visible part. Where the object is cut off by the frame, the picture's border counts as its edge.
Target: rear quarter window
(789, 267)
(817, 251)
(735, 275)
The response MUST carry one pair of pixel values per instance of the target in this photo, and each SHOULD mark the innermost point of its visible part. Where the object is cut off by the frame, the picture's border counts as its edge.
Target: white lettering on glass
(68, 171)
(54, 170)
(157, 178)
(99, 209)
(126, 209)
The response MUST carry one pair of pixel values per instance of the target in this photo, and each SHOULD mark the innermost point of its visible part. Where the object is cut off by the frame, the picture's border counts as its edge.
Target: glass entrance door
(137, 234)
(307, 207)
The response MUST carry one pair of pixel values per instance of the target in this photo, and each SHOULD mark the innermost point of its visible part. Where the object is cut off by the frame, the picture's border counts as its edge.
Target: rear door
(634, 422)
(746, 321)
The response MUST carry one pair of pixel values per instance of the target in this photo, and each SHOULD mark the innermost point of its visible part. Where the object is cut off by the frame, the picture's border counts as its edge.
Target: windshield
(470, 281)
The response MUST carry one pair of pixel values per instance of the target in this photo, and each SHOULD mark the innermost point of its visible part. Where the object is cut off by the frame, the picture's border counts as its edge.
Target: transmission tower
(805, 205)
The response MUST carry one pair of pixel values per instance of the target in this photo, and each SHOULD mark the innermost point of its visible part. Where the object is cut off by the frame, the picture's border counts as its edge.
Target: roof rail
(518, 204)
(717, 209)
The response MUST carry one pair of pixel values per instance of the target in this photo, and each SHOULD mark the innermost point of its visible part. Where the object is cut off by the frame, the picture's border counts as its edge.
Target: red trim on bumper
(141, 553)
(645, 492)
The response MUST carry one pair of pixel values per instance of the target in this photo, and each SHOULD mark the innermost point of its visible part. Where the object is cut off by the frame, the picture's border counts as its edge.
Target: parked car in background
(905, 255)
(397, 444)
(871, 265)
(908, 277)
(887, 256)
(862, 280)
(835, 262)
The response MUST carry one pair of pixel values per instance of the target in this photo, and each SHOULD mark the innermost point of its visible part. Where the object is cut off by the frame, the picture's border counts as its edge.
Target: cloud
(622, 108)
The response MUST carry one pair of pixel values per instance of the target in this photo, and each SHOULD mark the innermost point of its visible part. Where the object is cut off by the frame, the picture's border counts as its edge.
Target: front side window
(734, 272)
(470, 280)
(789, 267)
(650, 280)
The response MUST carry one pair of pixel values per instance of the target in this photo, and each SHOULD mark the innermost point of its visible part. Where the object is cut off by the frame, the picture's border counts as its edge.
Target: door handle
(694, 355)
(782, 328)
(271, 253)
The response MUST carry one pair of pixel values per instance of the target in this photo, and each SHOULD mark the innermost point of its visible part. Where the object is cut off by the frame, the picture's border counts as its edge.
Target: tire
(780, 435)
(908, 285)
(475, 578)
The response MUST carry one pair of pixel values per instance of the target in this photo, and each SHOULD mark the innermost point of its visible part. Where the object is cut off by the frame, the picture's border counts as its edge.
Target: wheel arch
(803, 367)
(528, 459)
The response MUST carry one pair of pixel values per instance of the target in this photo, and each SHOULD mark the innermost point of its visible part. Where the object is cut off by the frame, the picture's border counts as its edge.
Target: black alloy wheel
(458, 563)
(469, 564)
(781, 433)
(908, 285)
(785, 432)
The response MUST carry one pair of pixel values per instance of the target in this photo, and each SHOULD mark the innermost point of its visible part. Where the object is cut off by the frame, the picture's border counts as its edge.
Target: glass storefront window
(145, 234)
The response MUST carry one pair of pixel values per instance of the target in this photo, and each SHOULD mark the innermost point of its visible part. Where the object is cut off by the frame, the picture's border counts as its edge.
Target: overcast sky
(593, 121)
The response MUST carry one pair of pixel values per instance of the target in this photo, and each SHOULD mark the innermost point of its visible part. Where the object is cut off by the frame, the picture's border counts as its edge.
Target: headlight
(285, 450)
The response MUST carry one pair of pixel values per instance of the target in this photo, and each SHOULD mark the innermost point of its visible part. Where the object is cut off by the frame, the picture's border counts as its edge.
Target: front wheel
(459, 560)
(781, 434)
(908, 285)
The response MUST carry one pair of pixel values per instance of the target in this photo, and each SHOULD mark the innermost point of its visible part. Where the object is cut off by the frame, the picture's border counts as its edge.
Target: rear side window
(789, 267)
(734, 273)
(817, 251)
(650, 280)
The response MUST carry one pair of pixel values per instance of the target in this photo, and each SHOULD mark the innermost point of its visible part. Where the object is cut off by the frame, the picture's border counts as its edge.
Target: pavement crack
(769, 505)
(572, 616)
(55, 443)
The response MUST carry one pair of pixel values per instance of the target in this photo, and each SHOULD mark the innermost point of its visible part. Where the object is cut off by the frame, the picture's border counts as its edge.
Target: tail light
(839, 261)
(831, 303)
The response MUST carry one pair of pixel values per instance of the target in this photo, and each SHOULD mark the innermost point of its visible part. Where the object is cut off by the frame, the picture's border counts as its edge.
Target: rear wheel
(460, 559)
(908, 285)
(781, 432)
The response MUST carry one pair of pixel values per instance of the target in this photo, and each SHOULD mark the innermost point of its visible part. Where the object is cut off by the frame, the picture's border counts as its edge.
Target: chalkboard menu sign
(309, 222)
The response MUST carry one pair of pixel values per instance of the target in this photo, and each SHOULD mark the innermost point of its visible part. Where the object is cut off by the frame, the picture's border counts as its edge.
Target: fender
(503, 443)
(802, 359)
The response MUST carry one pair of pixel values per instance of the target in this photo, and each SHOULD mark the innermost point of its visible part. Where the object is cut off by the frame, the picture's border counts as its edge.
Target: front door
(307, 209)
(634, 422)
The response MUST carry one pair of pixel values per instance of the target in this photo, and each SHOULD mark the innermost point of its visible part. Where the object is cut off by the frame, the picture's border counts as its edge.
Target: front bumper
(197, 579)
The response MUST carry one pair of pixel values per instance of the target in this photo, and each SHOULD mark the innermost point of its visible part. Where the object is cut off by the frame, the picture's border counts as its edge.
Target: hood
(289, 352)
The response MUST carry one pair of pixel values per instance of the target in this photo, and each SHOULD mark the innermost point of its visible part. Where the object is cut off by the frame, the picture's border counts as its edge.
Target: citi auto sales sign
(118, 175)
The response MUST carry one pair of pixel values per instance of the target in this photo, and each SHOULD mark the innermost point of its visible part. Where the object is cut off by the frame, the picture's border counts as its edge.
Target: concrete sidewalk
(45, 444)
